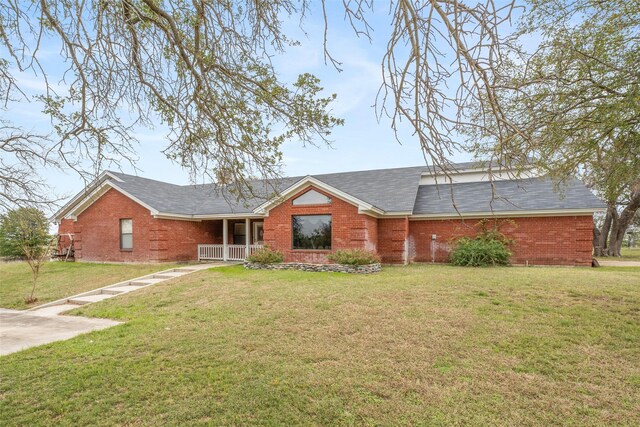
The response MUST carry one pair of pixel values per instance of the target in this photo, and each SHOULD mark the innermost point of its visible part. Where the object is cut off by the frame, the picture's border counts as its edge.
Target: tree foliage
(24, 232)
(575, 101)
(204, 69)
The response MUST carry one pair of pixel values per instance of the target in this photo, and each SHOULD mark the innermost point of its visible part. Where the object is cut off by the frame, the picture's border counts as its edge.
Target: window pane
(127, 241)
(238, 228)
(312, 197)
(311, 231)
(126, 226)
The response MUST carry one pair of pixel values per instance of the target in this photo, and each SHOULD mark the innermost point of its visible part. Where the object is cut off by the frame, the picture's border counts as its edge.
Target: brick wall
(349, 229)
(562, 240)
(97, 233)
(392, 239)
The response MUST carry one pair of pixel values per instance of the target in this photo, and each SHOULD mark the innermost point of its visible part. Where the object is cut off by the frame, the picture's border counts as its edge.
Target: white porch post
(247, 236)
(225, 239)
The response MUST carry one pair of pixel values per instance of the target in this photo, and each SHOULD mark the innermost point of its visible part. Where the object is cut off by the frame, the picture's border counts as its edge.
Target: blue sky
(362, 143)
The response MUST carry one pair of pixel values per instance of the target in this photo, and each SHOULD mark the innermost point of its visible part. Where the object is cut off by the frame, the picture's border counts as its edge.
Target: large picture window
(126, 234)
(311, 231)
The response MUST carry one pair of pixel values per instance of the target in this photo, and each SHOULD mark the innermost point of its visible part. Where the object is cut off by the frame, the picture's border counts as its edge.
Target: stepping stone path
(75, 301)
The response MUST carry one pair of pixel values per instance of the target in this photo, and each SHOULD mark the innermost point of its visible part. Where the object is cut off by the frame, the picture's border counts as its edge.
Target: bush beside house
(489, 248)
(266, 255)
(354, 257)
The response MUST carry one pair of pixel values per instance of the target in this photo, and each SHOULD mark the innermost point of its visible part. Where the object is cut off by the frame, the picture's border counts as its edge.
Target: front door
(239, 233)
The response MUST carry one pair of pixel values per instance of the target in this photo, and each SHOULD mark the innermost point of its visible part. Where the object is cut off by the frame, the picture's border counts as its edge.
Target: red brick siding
(178, 240)
(349, 229)
(370, 232)
(563, 240)
(97, 233)
(392, 238)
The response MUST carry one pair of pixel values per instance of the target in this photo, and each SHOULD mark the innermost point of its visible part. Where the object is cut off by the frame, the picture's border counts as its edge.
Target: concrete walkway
(21, 329)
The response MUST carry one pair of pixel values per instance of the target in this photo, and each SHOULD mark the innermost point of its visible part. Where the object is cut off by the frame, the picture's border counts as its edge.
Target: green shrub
(488, 248)
(266, 255)
(353, 257)
(480, 252)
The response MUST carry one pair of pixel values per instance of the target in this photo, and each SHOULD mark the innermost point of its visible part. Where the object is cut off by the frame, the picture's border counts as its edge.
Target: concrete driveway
(23, 329)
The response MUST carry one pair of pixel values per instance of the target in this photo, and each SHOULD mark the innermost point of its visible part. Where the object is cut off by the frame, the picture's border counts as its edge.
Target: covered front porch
(240, 238)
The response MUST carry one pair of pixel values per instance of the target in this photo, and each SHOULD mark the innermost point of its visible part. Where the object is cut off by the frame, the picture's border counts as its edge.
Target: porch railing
(217, 252)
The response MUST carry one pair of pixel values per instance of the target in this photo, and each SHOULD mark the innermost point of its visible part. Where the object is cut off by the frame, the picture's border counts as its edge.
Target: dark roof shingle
(507, 196)
(391, 190)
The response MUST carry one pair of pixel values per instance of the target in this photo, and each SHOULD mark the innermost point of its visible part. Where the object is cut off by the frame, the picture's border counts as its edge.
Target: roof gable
(309, 181)
(392, 191)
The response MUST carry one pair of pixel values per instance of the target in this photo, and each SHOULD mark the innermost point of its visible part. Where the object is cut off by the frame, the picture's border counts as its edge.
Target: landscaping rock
(335, 268)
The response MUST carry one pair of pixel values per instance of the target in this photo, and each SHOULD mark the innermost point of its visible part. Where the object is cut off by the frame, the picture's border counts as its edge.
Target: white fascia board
(309, 181)
(83, 195)
(87, 201)
(478, 175)
(398, 214)
(385, 214)
(503, 214)
(186, 217)
(62, 212)
(112, 176)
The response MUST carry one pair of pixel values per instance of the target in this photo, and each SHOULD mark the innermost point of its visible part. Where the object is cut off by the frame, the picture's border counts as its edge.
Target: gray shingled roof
(513, 195)
(196, 199)
(391, 190)
(212, 199)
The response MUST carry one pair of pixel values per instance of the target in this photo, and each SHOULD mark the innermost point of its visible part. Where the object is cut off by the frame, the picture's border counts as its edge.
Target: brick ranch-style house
(404, 215)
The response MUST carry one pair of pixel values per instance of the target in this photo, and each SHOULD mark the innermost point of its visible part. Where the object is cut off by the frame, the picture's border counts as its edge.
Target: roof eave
(205, 217)
(521, 213)
(62, 212)
(78, 205)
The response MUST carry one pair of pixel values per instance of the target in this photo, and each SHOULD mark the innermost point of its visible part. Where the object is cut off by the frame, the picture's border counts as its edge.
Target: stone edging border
(336, 268)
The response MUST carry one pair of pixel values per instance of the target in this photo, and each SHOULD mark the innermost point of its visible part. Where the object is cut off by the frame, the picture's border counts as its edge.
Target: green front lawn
(418, 345)
(61, 279)
(627, 254)
(630, 254)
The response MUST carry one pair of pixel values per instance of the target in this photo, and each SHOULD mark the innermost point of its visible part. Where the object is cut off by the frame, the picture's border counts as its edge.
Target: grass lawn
(60, 279)
(627, 254)
(630, 254)
(417, 345)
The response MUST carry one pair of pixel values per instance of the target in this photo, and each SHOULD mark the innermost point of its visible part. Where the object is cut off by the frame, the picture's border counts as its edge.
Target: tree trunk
(597, 250)
(606, 228)
(623, 222)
